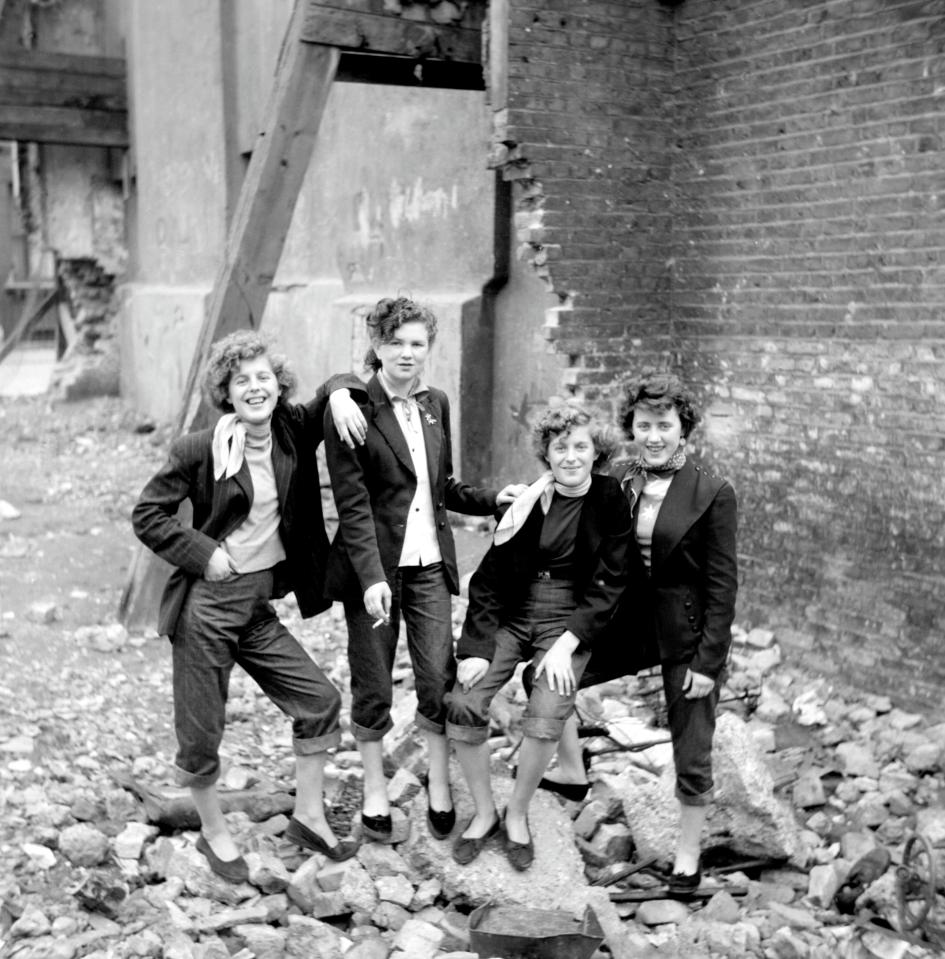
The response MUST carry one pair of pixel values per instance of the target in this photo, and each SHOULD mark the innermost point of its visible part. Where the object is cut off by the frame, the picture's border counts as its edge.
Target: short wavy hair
(659, 391)
(388, 316)
(225, 358)
(555, 420)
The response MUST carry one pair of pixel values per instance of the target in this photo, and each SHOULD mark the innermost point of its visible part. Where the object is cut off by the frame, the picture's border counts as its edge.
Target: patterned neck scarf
(638, 471)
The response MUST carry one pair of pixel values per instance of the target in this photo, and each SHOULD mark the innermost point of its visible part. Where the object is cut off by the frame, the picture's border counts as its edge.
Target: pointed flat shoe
(378, 828)
(232, 870)
(519, 854)
(441, 823)
(298, 833)
(465, 850)
(572, 791)
(682, 885)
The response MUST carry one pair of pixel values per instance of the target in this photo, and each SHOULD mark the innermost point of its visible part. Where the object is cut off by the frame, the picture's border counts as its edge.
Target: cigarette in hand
(378, 623)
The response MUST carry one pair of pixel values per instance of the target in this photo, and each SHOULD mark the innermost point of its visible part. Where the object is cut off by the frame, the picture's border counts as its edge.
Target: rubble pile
(824, 801)
(808, 787)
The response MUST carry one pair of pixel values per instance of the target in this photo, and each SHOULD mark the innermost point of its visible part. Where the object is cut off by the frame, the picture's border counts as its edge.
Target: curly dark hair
(388, 316)
(554, 420)
(224, 360)
(659, 390)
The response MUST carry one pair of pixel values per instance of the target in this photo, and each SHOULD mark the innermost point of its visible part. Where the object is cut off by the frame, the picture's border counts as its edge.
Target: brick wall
(586, 140)
(752, 190)
(808, 292)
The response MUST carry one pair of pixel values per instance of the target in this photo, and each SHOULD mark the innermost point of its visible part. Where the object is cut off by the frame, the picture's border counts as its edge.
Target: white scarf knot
(229, 441)
(541, 491)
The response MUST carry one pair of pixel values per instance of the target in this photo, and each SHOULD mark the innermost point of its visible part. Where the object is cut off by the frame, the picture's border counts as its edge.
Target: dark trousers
(692, 726)
(421, 596)
(232, 622)
(526, 635)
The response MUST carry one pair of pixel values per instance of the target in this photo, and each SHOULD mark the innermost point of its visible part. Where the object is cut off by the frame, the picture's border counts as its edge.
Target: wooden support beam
(370, 26)
(406, 72)
(63, 98)
(254, 246)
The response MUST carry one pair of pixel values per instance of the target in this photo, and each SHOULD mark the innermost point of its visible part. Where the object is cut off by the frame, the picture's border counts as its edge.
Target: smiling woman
(545, 592)
(257, 533)
(394, 554)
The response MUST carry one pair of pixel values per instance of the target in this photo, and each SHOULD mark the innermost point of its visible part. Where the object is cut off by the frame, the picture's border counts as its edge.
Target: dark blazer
(500, 584)
(374, 486)
(694, 571)
(220, 507)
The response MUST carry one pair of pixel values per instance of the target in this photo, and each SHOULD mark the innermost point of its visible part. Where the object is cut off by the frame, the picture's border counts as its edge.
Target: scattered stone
(84, 845)
(44, 611)
(658, 912)
(8, 510)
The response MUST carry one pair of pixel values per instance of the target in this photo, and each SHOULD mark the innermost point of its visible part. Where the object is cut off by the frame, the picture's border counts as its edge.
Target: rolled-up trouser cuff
(197, 780)
(474, 735)
(542, 727)
(423, 722)
(316, 744)
(703, 799)
(365, 734)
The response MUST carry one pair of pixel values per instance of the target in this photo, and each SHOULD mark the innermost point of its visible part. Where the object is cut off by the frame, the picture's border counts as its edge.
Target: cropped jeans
(231, 622)
(419, 594)
(526, 635)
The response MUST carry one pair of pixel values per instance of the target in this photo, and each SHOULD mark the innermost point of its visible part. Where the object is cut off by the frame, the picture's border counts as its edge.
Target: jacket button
(688, 604)
(694, 628)
(441, 525)
(691, 619)
(439, 506)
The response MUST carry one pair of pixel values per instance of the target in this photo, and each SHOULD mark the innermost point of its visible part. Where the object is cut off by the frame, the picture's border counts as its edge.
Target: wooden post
(261, 221)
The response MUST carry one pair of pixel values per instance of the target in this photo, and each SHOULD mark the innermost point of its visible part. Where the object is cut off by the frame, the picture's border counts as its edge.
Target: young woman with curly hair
(257, 533)
(394, 553)
(545, 592)
(680, 604)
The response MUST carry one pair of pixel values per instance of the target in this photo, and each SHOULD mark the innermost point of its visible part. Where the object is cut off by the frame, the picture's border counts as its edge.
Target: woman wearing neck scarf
(685, 522)
(545, 592)
(394, 555)
(257, 533)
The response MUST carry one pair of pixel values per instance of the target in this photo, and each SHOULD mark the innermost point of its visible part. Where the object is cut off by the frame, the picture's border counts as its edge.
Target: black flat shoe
(519, 854)
(573, 791)
(301, 835)
(465, 849)
(441, 823)
(682, 885)
(232, 870)
(378, 828)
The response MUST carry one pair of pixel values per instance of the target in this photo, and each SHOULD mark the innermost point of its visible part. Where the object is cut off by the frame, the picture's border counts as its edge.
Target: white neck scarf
(541, 491)
(229, 441)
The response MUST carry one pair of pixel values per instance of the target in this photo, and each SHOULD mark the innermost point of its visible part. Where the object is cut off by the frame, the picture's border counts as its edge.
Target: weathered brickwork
(753, 190)
(587, 142)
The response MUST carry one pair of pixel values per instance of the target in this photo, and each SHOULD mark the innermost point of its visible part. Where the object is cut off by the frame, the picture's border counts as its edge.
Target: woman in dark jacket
(394, 554)
(257, 533)
(685, 522)
(545, 592)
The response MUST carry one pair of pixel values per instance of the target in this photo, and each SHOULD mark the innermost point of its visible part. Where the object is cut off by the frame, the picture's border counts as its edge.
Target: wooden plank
(44, 61)
(378, 33)
(470, 14)
(63, 98)
(57, 125)
(266, 203)
(38, 301)
(407, 72)
(256, 238)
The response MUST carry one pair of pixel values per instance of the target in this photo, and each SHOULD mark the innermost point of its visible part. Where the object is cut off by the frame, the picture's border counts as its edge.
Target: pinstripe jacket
(219, 507)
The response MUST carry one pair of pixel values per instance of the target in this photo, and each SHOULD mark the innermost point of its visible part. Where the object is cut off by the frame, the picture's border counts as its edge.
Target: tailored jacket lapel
(681, 508)
(382, 414)
(432, 436)
(283, 469)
